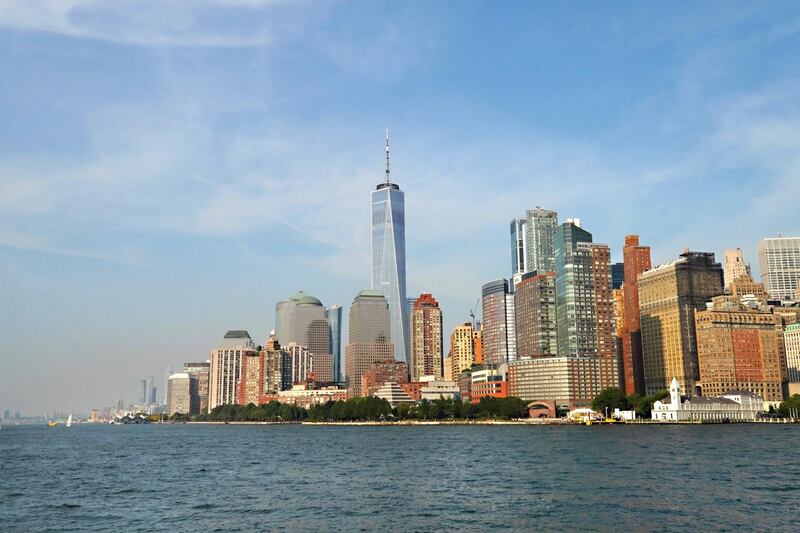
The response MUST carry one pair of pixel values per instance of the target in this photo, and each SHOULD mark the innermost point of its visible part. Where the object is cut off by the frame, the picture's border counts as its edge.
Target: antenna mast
(387, 156)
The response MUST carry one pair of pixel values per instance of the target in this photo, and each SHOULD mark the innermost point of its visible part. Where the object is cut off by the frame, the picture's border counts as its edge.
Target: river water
(419, 478)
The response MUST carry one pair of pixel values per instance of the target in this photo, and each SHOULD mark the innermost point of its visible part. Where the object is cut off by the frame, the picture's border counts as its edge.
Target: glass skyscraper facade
(539, 234)
(389, 257)
(335, 321)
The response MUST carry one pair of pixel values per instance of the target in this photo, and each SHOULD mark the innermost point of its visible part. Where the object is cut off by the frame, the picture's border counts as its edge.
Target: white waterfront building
(731, 407)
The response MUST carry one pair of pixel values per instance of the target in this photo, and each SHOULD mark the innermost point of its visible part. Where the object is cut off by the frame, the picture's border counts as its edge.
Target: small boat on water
(52, 424)
(69, 421)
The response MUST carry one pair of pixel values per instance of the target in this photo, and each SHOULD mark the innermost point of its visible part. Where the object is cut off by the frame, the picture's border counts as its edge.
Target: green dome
(304, 298)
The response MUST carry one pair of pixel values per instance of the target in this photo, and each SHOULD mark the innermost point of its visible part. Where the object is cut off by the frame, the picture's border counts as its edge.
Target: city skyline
(146, 211)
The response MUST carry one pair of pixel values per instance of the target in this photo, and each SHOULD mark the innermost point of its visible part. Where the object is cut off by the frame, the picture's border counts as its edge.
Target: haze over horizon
(170, 171)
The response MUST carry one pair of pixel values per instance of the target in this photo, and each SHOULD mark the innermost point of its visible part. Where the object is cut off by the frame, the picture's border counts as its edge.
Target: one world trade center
(389, 256)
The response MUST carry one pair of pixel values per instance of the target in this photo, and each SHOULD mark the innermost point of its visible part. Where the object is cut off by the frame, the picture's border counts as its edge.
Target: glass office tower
(389, 257)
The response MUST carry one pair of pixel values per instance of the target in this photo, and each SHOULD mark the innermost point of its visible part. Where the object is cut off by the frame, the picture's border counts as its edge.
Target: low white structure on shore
(735, 406)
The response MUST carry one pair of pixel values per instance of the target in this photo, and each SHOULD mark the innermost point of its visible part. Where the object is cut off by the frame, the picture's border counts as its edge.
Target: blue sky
(170, 170)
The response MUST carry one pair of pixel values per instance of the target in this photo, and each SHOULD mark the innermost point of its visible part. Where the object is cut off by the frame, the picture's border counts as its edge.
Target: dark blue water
(190, 477)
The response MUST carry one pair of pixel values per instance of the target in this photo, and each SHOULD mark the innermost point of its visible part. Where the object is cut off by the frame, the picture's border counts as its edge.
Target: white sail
(69, 421)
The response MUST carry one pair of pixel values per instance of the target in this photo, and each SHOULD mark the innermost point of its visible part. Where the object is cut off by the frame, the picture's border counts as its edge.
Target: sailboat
(69, 421)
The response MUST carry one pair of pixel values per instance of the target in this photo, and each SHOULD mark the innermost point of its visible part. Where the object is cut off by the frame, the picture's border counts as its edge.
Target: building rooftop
(303, 298)
(370, 293)
(237, 334)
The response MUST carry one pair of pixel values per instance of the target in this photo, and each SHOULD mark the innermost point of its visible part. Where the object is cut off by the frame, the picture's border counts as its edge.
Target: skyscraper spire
(387, 156)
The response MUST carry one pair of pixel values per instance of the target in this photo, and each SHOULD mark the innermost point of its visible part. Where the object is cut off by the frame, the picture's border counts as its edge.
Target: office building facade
(535, 315)
(779, 261)
(369, 337)
(636, 259)
(669, 296)
(499, 328)
(226, 367)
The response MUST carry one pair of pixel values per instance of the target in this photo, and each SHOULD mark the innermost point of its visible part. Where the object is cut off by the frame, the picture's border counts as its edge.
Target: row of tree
(613, 397)
(368, 408)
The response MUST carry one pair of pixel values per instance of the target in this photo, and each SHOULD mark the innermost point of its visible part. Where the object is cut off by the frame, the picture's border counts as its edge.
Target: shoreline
(526, 422)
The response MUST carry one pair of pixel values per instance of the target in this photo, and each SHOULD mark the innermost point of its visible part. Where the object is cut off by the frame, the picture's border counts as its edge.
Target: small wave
(70, 505)
(203, 506)
(15, 494)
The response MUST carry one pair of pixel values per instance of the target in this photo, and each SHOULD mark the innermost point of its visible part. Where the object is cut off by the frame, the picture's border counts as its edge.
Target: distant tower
(389, 256)
(335, 321)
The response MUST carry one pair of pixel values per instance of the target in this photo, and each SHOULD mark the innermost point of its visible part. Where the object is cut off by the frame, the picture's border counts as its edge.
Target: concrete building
(743, 287)
(740, 348)
(535, 315)
(201, 372)
(389, 257)
(182, 394)
(540, 230)
(226, 367)
(301, 362)
(432, 388)
(499, 328)
(304, 321)
(734, 406)
(382, 372)
(369, 340)
(669, 295)
(779, 262)
(570, 381)
(489, 381)
(734, 267)
(636, 259)
(392, 393)
(426, 337)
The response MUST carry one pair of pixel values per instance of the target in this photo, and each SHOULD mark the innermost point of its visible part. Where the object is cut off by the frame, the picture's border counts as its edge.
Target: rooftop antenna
(387, 156)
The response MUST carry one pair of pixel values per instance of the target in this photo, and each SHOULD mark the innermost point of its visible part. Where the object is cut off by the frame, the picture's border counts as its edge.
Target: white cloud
(192, 23)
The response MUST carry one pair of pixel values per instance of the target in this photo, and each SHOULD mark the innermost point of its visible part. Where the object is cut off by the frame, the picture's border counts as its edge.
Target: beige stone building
(740, 348)
(734, 267)
(744, 286)
(462, 350)
(669, 295)
(226, 367)
(181, 391)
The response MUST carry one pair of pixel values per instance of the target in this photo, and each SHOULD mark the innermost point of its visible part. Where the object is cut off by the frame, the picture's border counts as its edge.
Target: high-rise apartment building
(576, 325)
(389, 371)
(277, 367)
(181, 394)
(251, 381)
(389, 257)
(519, 258)
(304, 321)
(335, 320)
(584, 300)
(734, 267)
(426, 338)
(462, 349)
(535, 315)
(226, 367)
(779, 261)
(499, 328)
(540, 230)
(669, 295)
(369, 338)
(791, 337)
(302, 364)
(201, 372)
(740, 348)
(636, 259)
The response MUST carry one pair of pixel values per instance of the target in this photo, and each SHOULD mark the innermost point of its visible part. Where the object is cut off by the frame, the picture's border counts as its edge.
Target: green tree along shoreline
(366, 409)
(613, 397)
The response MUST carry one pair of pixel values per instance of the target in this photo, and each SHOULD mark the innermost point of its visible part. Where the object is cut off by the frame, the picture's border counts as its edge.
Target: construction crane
(472, 312)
